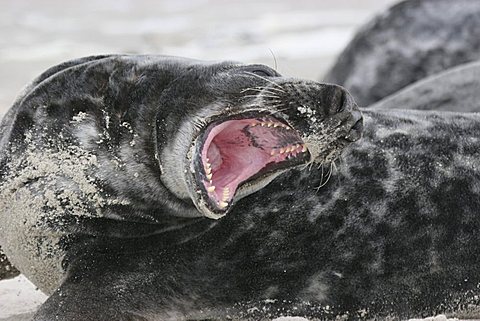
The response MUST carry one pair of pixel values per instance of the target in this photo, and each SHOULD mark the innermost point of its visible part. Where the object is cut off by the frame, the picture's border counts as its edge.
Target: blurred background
(304, 36)
(300, 38)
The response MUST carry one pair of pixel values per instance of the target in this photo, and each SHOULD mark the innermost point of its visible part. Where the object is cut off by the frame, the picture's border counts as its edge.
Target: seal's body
(111, 169)
(455, 89)
(410, 41)
(393, 233)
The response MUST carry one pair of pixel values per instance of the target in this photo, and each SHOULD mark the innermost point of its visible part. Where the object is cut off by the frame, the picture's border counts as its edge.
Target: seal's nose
(356, 130)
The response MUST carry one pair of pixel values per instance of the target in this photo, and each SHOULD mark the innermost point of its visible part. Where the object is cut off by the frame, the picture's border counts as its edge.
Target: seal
(100, 157)
(127, 147)
(456, 89)
(392, 235)
(410, 41)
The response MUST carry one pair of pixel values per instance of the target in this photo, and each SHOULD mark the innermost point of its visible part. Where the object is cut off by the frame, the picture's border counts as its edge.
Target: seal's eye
(263, 73)
(260, 70)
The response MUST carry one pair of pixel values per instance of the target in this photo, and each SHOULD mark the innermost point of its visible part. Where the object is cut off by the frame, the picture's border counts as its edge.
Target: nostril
(358, 125)
(356, 131)
(343, 101)
(357, 116)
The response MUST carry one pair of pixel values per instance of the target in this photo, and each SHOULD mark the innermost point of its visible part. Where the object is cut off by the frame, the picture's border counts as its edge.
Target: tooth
(269, 124)
(297, 146)
(253, 124)
(304, 148)
(222, 204)
(226, 193)
(282, 150)
(209, 176)
(276, 125)
(291, 149)
(208, 165)
(208, 171)
(211, 189)
(272, 152)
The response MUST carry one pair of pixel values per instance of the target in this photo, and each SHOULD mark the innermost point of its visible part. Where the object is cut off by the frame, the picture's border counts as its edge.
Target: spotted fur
(394, 233)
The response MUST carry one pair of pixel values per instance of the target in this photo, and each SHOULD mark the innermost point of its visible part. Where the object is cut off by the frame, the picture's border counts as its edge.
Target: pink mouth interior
(236, 150)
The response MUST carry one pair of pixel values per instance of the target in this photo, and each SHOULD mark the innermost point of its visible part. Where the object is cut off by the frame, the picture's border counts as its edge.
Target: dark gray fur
(410, 41)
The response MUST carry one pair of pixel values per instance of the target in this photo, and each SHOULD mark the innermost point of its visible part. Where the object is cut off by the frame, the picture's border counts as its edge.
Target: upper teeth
(226, 194)
(289, 149)
(270, 124)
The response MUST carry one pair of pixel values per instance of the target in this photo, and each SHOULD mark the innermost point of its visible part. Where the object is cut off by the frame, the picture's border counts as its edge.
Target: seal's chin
(238, 156)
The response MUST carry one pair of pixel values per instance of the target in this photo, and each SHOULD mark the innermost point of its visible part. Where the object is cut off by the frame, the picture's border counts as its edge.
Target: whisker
(276, 89)
(278, 110)
(261, 95)
(259, 89)
(274, 58)
(269, 90)
(262, 91)
(267, 80)
(329, 175)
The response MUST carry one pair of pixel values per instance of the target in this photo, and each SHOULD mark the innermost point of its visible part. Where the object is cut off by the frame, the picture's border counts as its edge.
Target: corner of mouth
(243, 150)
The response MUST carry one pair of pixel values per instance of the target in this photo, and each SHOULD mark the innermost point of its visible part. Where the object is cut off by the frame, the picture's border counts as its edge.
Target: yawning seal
(129, 146)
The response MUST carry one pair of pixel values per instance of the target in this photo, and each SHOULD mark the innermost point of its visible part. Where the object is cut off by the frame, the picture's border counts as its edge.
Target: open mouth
(239, 150)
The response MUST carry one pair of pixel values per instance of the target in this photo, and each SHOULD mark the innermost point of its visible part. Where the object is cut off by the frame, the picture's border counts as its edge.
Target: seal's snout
(326, 115)
(343, 102)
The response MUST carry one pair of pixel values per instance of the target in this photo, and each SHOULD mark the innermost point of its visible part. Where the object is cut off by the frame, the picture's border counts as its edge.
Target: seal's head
(243, 125)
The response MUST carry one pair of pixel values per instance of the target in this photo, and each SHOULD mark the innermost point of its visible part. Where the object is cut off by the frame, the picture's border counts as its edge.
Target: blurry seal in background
(410, 41)
(456, 89)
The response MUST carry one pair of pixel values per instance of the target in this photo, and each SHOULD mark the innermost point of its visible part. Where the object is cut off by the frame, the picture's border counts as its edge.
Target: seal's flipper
(81, 302)
(410, 41)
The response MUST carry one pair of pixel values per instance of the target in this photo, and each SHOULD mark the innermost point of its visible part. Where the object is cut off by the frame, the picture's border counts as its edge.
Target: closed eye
(261, 71)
